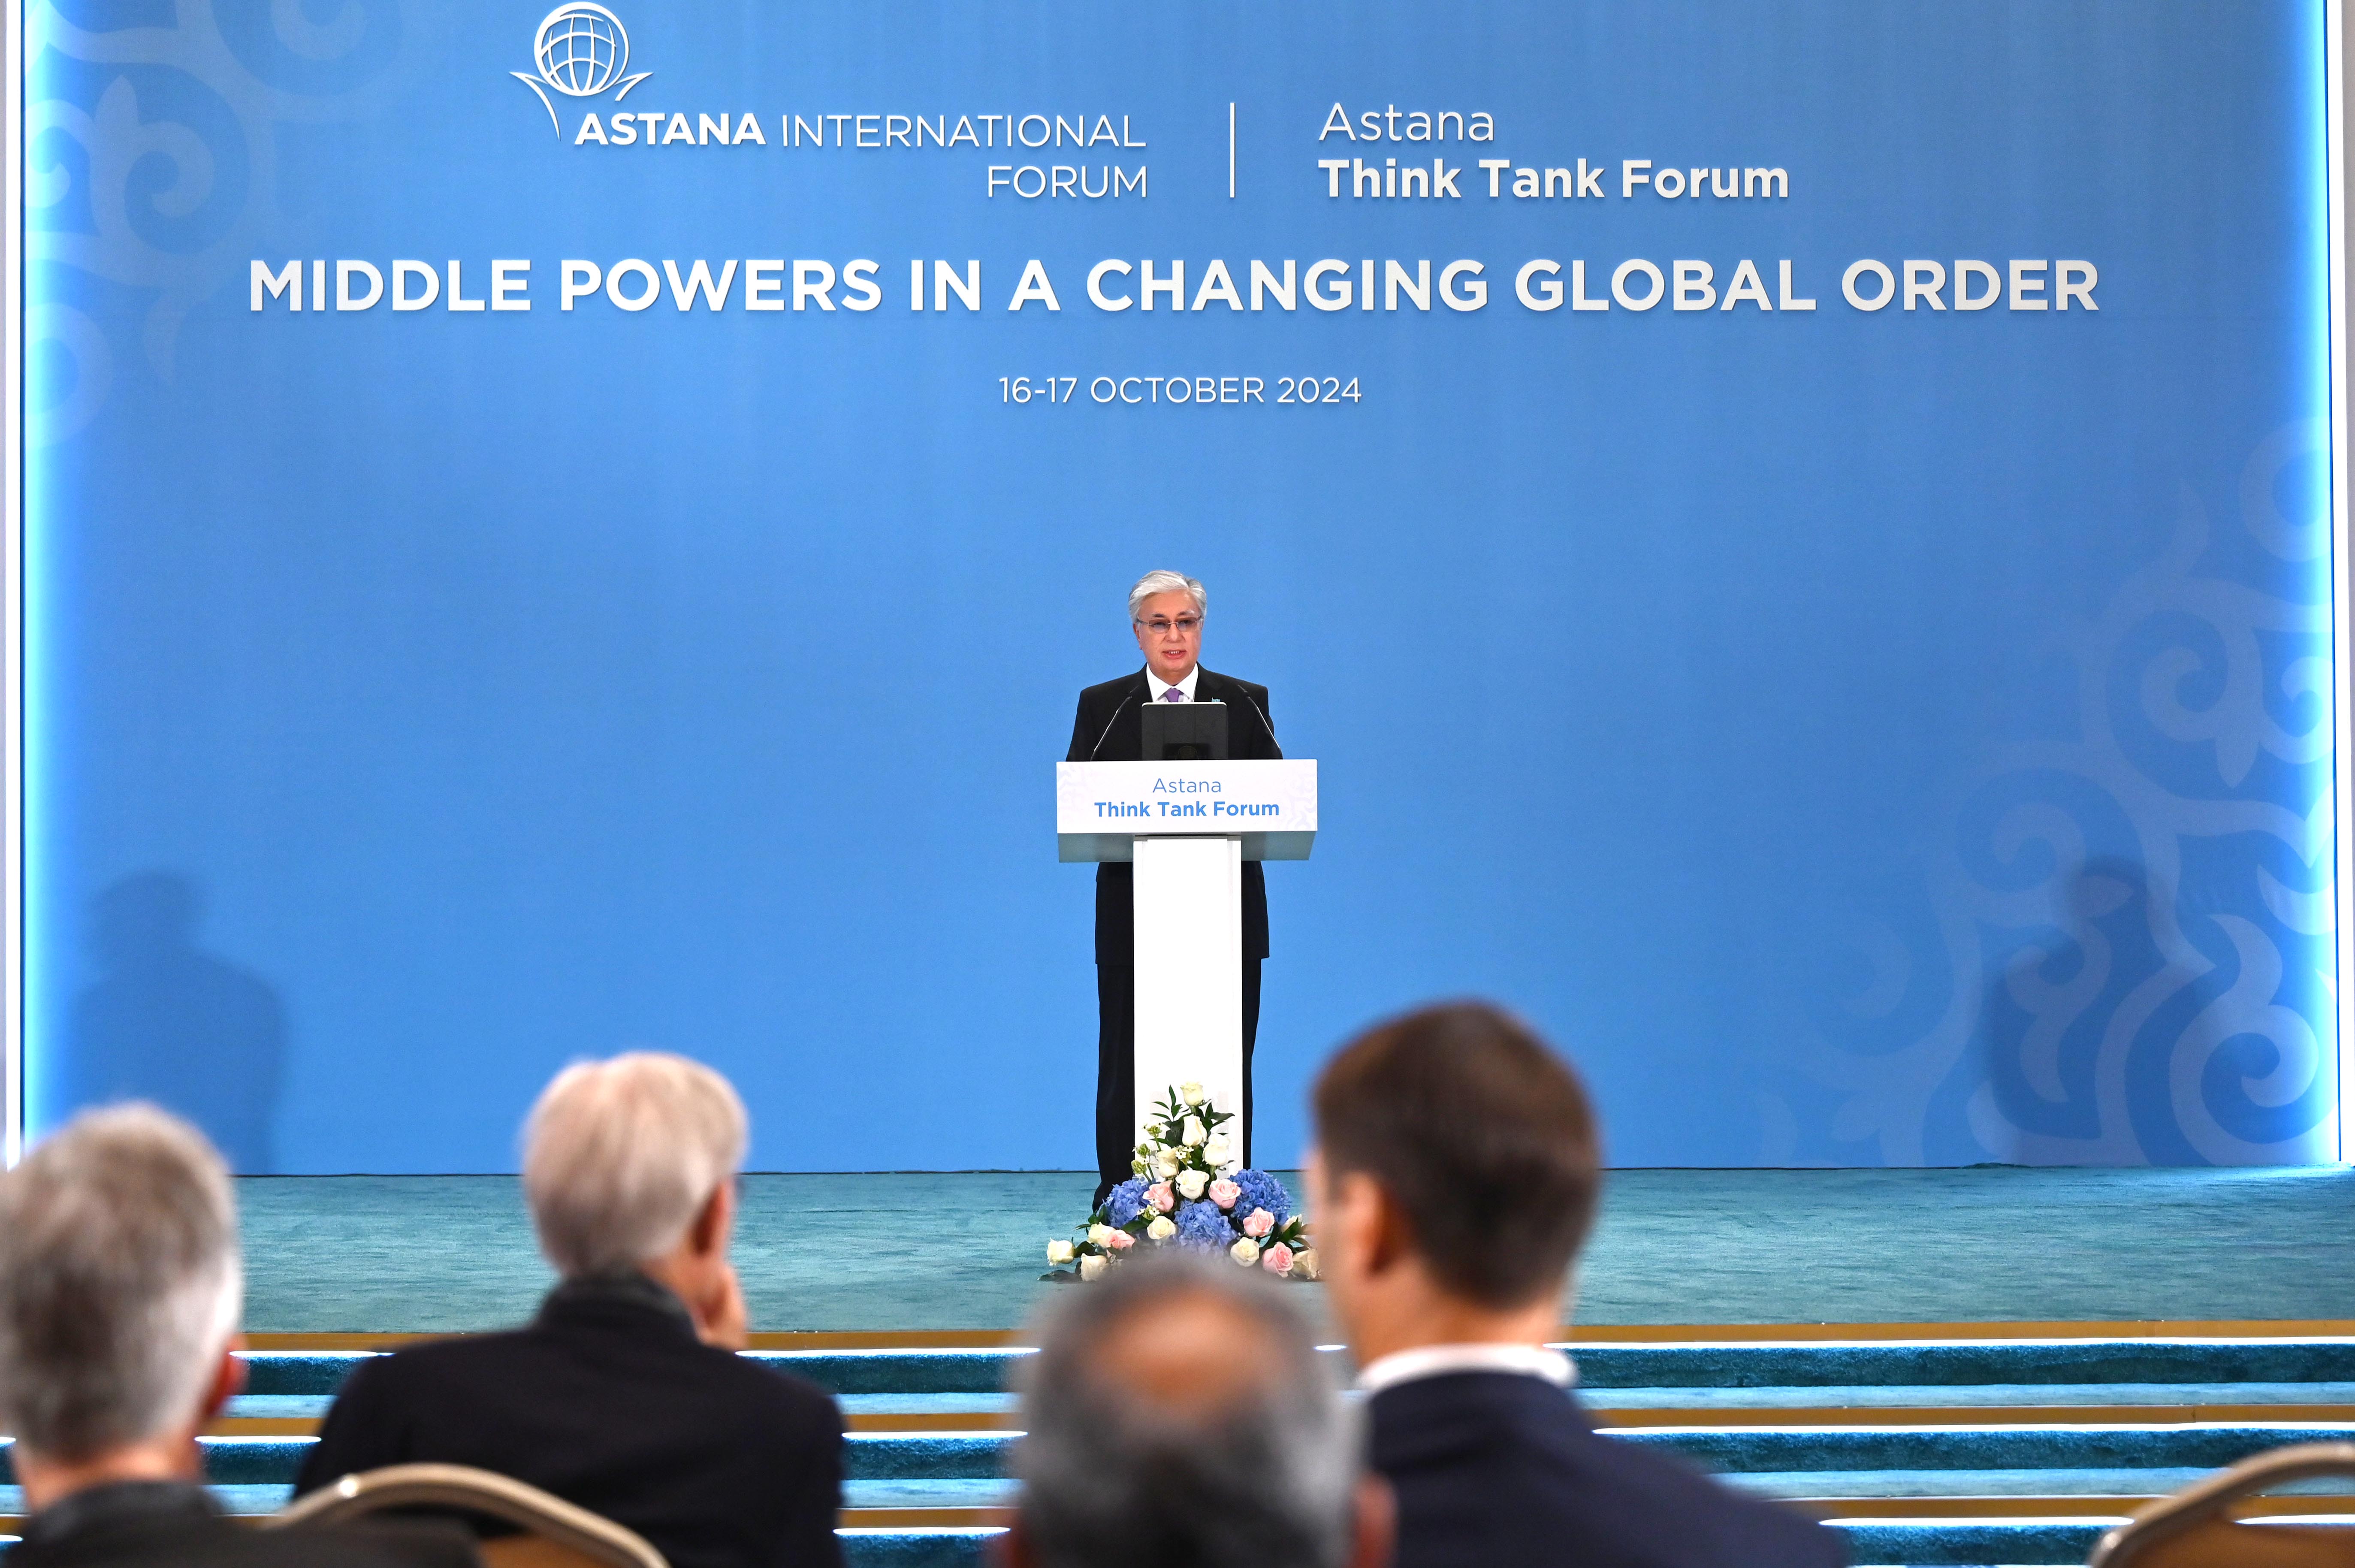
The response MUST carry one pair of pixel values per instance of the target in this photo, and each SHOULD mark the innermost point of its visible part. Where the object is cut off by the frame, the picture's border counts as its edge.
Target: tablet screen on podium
(1185, 732)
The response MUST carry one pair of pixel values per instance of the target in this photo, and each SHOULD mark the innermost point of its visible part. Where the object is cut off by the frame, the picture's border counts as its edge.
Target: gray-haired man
(1166, 609)
(625, 1395)
(1178, 1413)
(120, 1294)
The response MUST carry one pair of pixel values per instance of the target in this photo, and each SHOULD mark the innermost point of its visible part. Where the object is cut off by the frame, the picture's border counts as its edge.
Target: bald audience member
(1453, 1180)
(1177, 1415)
(120, 1291)
(625, 1395)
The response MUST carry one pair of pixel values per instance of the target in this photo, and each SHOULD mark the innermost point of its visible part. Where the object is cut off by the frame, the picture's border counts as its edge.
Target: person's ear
(708, 1236)
(228, 1380)
(1012, 1550)
(1384, 1238)
(1374, 1511)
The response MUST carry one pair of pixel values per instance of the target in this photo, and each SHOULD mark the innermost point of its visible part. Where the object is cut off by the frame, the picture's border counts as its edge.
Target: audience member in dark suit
(1177, 1412)
(1166, 609)
(120, 1294)
(625, 1395)
(1453, 1179)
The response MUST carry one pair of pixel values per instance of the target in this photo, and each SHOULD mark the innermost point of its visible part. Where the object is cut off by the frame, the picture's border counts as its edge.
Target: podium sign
(1102, 808)
(1188, 826)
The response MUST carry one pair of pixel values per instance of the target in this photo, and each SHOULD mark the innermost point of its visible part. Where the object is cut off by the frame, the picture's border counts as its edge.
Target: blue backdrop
(1856, 736)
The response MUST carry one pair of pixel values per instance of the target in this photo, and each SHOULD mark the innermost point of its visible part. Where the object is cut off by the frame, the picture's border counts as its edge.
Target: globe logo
(581, 48)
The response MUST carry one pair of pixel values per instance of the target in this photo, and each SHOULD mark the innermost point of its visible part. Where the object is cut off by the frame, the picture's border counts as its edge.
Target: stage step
(2170, 1452)
(1925, 1445)
(2313, 1363)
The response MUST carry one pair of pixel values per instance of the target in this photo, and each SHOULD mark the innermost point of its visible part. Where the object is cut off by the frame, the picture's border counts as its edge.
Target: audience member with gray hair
(120, 1294)
(1177, 1415)
(625, 1395)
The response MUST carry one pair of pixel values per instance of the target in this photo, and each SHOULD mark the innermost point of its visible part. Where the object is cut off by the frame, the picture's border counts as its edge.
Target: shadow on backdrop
(168, 1022)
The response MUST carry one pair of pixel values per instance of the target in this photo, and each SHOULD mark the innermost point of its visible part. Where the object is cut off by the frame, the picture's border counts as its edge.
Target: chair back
(558, 1533)
(2196, 1528)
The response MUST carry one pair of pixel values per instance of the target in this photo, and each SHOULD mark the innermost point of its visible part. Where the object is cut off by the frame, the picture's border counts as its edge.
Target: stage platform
(1985, 1366)
(931, 1252)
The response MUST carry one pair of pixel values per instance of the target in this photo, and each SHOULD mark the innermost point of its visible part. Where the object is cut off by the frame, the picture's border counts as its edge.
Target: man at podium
(1166, 609)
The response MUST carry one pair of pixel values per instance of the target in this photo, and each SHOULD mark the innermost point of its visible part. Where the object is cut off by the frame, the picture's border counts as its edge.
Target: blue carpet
(946, 1252)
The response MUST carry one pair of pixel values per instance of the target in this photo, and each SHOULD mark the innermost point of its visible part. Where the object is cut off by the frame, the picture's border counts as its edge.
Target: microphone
(1115, 718)
(1263, 719)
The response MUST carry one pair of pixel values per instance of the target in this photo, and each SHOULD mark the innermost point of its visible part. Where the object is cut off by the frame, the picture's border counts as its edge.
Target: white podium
(1188, 826)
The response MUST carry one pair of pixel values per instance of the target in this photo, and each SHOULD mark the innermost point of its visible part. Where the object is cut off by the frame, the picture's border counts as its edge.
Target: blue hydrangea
(1261, 1190)
(1124, 1202)
(1204, 1225)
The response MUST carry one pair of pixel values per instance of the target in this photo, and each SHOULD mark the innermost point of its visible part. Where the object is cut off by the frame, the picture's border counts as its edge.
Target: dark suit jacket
(610, 1401)
(165, 1524)
(1108, 729)
(1496, 1470)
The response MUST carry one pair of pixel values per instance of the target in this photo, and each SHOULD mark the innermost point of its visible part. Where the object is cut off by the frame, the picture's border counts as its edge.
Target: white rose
(1059, 1252)
(1245, 1252)
(1304, 1262)
(1161, 1230)
(1093, 1264)
(1191, 1182)
(1218, 1151)
(1101, 1235)
(1196, 1133)
(1165, 1167)
(1191, 1093)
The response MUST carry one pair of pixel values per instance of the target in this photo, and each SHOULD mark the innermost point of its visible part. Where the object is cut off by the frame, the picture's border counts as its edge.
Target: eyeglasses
(1161, 626)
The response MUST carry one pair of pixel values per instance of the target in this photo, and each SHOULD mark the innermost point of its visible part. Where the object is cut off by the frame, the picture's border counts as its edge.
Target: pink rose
(1159, 1198)
(1120, 1240)
(1224, 1192)
(1260, 1224)
(1277, 1259)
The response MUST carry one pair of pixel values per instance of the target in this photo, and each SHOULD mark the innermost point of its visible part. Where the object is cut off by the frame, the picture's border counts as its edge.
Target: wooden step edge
(924, 1518)
(848, 1518)
(979, 1421)
(1575, 1334)
(895, 1421)
(1990, 1331)
(1807, 1416)
(1972, 1415)
(2101, 1510)
(782, 1339)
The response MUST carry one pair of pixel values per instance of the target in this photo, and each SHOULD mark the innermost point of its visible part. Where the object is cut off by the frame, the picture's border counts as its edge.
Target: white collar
(1155, 687)
(1438, 1360)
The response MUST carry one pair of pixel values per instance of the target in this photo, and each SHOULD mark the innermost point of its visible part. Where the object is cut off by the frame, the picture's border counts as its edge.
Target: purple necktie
(1174, 694)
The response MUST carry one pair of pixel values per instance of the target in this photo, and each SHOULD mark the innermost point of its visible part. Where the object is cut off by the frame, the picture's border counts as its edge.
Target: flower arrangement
(1185, 1193)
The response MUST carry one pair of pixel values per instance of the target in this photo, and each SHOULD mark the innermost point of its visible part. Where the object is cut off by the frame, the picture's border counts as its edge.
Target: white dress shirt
(1438, 1360)
(1159, 688)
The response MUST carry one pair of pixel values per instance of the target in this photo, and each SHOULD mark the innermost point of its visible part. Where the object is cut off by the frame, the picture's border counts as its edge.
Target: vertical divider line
(2342, 816)
(1231, 149)
(12, 583)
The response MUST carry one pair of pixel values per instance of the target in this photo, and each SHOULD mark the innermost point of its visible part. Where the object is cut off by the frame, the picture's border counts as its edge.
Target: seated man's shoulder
(1515, 1475)
(463, 1359)
(1673, 1512)
(775, 1388)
